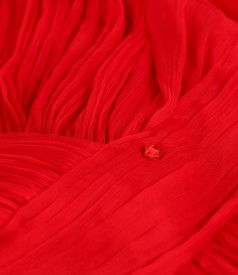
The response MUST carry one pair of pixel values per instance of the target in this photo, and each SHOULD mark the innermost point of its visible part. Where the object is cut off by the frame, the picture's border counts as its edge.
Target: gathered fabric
(118, 137)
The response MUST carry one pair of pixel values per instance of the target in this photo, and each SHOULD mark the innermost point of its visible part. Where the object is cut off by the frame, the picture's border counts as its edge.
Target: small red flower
(152, 152)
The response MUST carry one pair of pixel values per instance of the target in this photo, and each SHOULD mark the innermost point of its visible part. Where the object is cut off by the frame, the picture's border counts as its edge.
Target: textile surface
(84, 86)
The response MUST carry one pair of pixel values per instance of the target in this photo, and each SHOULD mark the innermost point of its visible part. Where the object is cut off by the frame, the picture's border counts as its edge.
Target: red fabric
(84, 87)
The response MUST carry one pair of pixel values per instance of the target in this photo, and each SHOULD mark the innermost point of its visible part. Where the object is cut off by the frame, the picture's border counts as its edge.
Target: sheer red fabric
(85, 87)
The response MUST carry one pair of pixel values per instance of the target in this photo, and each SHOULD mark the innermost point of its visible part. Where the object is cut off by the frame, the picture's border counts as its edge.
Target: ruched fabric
(84, 86)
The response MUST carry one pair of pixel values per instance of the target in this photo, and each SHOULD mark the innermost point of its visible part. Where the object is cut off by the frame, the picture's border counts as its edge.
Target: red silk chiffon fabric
(84, 87)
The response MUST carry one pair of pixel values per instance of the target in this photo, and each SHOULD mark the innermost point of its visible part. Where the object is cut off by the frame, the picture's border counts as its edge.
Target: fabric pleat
(84, 87)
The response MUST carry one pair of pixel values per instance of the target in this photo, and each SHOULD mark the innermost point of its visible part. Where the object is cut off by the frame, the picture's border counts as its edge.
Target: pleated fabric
(84, 86)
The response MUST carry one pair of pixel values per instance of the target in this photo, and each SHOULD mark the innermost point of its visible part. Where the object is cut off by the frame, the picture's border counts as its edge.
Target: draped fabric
(84, 86)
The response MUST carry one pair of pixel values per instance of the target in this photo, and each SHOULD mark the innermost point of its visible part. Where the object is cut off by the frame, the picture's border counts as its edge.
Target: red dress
(119, 137)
